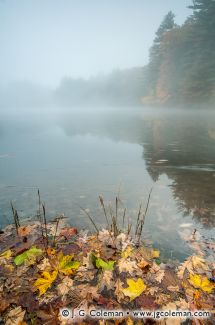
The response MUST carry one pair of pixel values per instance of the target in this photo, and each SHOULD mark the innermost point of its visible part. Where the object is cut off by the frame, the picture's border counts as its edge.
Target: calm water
(74, 157)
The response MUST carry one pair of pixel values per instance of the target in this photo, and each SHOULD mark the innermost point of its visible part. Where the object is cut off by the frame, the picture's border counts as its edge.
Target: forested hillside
(182, 59)
(120, 88)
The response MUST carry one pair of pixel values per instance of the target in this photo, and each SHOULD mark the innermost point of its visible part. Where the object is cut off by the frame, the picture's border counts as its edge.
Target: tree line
(182, 60)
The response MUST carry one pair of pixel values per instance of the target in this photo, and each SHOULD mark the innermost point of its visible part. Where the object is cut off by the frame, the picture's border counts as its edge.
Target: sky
(45, 40)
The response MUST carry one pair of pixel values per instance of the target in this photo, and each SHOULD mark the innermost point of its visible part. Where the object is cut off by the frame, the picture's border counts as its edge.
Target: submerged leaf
(134, 289)
(42, 284)
(32, 252)
(201, 282)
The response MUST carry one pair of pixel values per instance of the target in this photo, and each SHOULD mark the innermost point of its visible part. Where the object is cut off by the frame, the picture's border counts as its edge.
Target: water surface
(73, 157)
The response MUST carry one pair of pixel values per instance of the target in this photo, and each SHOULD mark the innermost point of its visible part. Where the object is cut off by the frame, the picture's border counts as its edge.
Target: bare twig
(143, 218)
(104, 209)
(138, 219)
(16, 217)
(123, 217)
(97, 230)
(45, 224)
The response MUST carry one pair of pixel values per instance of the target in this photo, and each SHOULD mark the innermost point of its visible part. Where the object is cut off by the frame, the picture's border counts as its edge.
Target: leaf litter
(105, 271)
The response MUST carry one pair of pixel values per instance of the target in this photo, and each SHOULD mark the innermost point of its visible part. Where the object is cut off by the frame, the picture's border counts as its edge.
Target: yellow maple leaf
(127, 252)
(6, 255)
(155, 253)
(134, 289)
(66, 264)
(202, 283)
(45, 282)
(129, 321)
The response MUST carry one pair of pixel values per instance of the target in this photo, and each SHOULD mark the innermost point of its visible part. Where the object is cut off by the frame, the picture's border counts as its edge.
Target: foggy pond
(73, 157)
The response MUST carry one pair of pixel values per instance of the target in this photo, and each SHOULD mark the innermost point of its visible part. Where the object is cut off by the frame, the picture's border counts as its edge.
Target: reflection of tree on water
(182, 146)
(184, 150)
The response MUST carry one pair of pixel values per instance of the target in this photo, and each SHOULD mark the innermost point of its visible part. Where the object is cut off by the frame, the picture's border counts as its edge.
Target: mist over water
(75, 156)
(89, 105)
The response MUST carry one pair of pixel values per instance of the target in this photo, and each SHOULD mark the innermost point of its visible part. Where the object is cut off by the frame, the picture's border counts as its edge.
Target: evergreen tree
(167, 24)
(182, 61)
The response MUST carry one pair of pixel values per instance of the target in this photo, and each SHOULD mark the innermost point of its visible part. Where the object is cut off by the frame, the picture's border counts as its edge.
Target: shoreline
(47, 266)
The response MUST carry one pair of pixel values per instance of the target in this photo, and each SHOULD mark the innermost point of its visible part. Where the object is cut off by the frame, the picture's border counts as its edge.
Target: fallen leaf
(134, 289)
(192, 264)
(118, 291)
(45, 282)
(68, 233)
(107, 302)
(71, 249)
(127, 265)
(100, 263)
(24, 231)
(199, 263)
(202, 283)
(162, 299)
(182, 304)
(159, 276)
(146, 301)
(106, 280)
(155, 253)
(4, 303)
(15, 316)
(32, 253)
(143, 265)
(88, 292)
(127, 252)
(64, 287)
(170, 278)
(129, 321)
(49, 316)
(44, 265)
(173, 289)
(152, 290)
(6, 255)
(50, 251)
(87, 262)
(65, 264)
(29, 301)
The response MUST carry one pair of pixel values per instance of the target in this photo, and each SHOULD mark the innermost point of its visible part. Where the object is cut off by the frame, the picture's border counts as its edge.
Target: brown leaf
(106, 280)
(27, 300)
(118, 291)
(127, 265)
(15, 316)
(49, 316)
(108, 253)
(143, 265)
(162, 299)
(170, 279)
(64, 287)
(146, 301)
(3, 304)
(173, 289)
(106, 302)
(68, 233)
(70, 249)
(24, 231)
